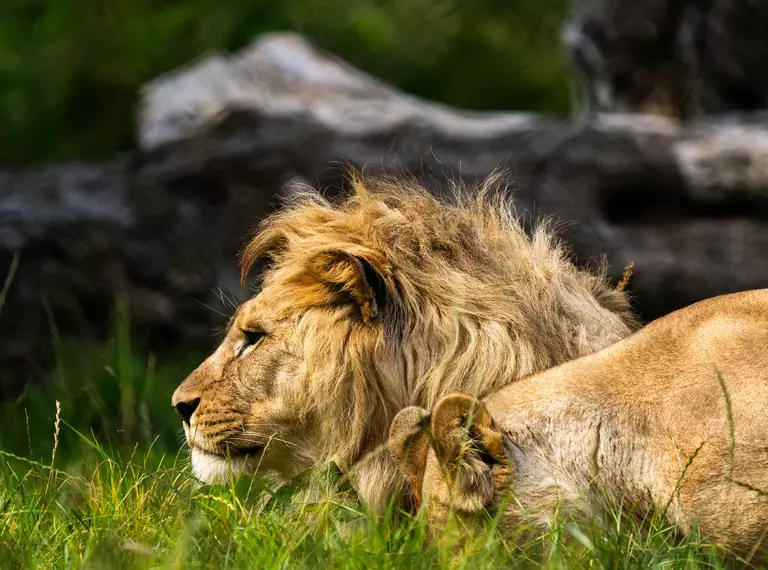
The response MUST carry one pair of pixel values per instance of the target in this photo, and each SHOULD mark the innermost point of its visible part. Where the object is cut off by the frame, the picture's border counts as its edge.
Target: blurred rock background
(143, 140)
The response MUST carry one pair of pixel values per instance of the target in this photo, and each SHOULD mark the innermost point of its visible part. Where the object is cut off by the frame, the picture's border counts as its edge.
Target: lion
(386, 298)
(671, 420)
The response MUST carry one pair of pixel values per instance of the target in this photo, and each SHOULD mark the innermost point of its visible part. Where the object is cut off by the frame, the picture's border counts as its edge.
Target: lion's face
(292, 383)
(239, 407)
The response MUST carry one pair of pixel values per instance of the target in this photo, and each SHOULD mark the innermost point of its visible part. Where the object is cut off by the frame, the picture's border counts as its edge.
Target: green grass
(101, 483)
(141, 510)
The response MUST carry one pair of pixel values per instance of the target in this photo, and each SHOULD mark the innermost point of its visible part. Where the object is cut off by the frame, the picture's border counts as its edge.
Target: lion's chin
(216, 469)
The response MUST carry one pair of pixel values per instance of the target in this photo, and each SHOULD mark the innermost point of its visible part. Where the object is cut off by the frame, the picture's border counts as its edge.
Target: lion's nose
(186, 408)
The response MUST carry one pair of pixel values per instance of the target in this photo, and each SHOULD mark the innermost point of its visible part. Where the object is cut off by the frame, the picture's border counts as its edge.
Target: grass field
(98, 481)
(91, 475)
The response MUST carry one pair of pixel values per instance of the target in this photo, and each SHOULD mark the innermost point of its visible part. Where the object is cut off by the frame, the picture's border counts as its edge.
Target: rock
(680, 58)
(283, 76)
(161, 228)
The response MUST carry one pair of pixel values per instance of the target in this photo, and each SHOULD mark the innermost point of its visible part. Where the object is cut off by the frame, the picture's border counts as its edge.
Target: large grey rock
(284, 76)
(162, 228)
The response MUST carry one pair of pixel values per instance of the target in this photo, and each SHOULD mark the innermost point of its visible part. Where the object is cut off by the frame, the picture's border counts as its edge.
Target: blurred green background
(71, 70)
(70, 76)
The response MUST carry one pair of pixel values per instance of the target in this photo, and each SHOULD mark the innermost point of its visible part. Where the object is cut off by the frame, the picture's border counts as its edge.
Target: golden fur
(388, 298)
(643, 423)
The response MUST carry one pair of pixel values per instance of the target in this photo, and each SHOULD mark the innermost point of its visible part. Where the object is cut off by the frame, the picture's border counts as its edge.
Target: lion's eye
(252, 338)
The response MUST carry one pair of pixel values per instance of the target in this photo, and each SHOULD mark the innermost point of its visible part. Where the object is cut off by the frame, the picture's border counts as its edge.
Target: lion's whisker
(244, 437)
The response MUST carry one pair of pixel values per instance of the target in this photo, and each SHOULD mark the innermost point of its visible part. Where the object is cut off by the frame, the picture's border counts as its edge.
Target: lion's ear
(360, 277)
(409, 444)
(468, 446)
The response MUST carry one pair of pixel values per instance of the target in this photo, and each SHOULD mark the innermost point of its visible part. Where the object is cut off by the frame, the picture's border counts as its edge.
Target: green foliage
(70, 70)
(111, 389)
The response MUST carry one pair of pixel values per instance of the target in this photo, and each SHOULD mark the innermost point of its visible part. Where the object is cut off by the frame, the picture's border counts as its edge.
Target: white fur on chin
(215, 469)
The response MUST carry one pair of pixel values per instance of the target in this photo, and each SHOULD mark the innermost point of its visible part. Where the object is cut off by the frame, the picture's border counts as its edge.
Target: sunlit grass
(92, 476)
(124, 511)
(107, 499)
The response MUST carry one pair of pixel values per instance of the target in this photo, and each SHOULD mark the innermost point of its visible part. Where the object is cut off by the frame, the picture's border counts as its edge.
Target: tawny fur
(643, 424)
(388, 298)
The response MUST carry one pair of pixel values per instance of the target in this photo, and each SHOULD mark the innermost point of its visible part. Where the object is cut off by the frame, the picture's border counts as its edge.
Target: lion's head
(387, 299)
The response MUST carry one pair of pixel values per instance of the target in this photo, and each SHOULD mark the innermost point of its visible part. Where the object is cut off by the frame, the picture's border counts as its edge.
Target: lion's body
(643, 423)
(388, 299)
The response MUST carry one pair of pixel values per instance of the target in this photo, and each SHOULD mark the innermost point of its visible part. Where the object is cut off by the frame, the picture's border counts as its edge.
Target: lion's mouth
(247, 451)
(222, 449)
(218, 468)
(230, 451)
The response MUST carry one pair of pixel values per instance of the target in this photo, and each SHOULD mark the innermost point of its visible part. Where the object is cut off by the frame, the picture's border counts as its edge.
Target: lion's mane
(452, 295)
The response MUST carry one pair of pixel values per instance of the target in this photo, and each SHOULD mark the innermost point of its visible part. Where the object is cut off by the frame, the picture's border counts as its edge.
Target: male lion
(386, 299)
(673, 418)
